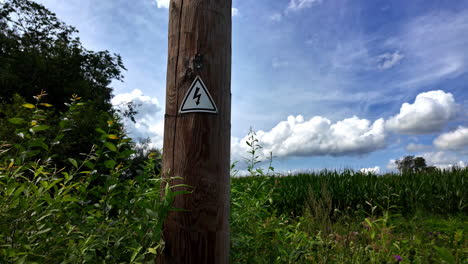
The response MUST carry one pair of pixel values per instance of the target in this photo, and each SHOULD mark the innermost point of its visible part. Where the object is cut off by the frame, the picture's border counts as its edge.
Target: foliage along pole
(197, 130)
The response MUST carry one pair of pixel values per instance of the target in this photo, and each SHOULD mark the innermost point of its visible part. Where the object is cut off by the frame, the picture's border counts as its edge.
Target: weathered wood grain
(197, 145)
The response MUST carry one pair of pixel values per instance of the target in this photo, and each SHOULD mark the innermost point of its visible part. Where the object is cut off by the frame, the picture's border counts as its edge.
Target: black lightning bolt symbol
(197, 96)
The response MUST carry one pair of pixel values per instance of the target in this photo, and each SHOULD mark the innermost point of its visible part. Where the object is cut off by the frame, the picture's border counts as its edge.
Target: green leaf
(44, 183)
(89, 165)
(22, 259)
(152, 250)
(10, 189)
(38, 143)
(100, 131)
(110, 146)
(151, 213)
(73, 162)
(42, 231)
(32, 153)
(69, 199)
(126, 153)
(53, 184)
(66, 175)
(112, 187)
(125, 140)
(39, 117)
(19, 190)
(30, 106)
(63, 123)
(16, 120)
(40, 128)
(112, 136)
(110, 164)
(46, 197)
(445, 254)
(135, 253)
(458, 236)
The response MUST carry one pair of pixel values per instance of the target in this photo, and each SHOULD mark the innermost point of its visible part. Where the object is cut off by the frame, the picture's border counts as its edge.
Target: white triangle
(198, 99)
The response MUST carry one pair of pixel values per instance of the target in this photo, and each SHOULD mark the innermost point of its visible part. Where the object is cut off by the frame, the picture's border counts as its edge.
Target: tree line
(41, 55)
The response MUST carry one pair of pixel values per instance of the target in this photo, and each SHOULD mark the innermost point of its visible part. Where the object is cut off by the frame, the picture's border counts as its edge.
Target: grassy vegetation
(349, 218)
(439, 192)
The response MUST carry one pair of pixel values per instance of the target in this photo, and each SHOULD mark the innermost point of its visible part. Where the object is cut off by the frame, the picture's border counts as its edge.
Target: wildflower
(398, 258)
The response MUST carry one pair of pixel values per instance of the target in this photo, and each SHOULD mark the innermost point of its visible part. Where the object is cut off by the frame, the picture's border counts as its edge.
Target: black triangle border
(200, 110)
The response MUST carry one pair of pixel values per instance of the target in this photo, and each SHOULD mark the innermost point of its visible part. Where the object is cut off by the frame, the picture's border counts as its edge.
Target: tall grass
(348, 217)
(438, 192)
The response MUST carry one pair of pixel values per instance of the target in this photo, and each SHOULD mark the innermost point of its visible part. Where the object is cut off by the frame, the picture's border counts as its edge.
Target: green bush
(81, 212)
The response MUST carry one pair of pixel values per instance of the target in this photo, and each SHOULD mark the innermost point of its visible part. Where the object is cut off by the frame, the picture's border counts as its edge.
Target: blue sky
(326, 83)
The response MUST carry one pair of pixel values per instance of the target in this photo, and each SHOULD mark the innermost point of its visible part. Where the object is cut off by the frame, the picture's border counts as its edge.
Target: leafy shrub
(85, 211)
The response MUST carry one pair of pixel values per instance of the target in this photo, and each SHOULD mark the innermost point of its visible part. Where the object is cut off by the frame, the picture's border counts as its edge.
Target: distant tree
(431, 169)
(412, 164)
(419, 164)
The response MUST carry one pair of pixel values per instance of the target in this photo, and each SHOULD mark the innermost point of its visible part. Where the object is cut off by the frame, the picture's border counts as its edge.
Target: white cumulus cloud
(296, 5)
(162, 3)
(443, 160)
(234, 11)
(374, 170)
(454, 140)
(317, 136)
(429, 113)
(391, 165)
(149, 119)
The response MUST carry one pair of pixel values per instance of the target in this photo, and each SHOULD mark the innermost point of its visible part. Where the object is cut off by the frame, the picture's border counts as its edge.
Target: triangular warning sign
(198, 99)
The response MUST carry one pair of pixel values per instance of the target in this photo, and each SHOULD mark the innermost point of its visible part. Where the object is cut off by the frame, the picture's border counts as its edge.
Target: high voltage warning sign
(198, 99)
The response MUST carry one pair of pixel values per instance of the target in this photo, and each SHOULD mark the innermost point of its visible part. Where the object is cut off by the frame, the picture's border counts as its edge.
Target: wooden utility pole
(197, 130)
